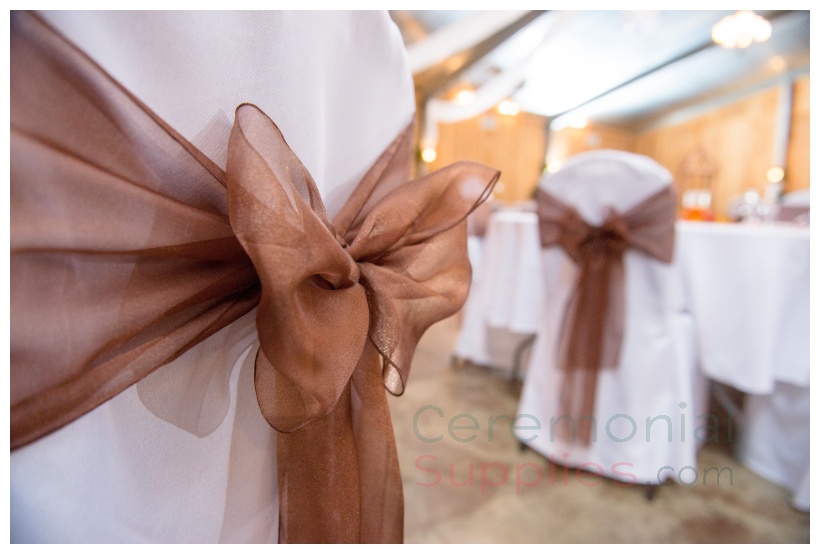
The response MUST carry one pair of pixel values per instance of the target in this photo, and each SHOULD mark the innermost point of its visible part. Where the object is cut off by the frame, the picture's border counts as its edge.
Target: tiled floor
(556, 510)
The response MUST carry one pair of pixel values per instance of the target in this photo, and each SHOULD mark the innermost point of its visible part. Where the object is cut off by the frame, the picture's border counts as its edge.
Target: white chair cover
(338, 86)
(656, 377)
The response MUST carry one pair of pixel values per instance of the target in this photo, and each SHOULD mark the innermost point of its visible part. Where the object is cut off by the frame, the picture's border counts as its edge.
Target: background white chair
(656, 376)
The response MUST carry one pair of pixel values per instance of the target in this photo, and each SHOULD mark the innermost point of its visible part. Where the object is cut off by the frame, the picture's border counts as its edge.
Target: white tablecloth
(511, 272)
(503, 308)
(747, 287)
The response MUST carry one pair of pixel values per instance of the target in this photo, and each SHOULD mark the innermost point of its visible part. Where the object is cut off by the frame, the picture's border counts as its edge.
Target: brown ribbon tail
(339, 476)
(122, 256)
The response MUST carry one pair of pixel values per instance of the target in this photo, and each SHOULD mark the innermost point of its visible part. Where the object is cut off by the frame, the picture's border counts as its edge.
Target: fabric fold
(129, 246)
(109, 209)
(343, 305)
(593, 325)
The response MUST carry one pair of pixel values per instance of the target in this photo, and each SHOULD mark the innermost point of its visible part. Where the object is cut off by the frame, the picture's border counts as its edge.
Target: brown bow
(593, 327)
(391, 264)
(126, 251)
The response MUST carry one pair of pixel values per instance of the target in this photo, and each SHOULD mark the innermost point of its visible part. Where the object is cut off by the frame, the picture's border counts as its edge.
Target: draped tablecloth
(747, 286)
(505, 298)
(511, 295)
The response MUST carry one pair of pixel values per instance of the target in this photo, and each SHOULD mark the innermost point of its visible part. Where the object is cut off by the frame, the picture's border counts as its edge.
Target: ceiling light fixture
(464, 97)
(554, 166)
(578, 122)
(429, 155)
(740, 29)
(775, 174)
(569, 122)
(508, 107)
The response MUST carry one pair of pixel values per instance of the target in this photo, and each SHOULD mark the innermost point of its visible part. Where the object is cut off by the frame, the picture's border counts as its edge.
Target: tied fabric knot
(593, 326)
(608, 239)
(129, 247)
(395, 256)
(387, 254)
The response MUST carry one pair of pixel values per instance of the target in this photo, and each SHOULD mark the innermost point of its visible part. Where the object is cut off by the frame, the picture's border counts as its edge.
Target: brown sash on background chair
(593, 326)
(129, 246)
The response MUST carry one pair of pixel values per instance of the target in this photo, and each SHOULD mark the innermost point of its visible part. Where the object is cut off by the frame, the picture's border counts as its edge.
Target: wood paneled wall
(797, 159)
(739, 138)
(516, 145)
(569, 141)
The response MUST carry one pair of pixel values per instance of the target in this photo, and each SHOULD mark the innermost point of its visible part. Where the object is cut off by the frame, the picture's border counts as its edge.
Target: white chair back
(596, 180)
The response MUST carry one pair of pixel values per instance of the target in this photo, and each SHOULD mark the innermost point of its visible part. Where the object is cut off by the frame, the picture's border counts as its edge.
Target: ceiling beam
(433, 80)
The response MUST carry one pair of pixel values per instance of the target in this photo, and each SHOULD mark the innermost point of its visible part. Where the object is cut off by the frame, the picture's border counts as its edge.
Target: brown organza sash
(129, 246)
(593, 327)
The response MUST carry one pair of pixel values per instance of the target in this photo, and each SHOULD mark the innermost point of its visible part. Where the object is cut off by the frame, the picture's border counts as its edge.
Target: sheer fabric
(147, 228)
(593, 326)
(646, 402)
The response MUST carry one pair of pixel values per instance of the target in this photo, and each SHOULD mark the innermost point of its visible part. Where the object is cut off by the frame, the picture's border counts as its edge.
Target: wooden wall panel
(797, 160)
(515, 145)
(738, 138)
(568, 142)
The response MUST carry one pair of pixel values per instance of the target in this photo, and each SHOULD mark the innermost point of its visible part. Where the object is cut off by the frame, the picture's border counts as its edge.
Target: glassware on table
(697, 205)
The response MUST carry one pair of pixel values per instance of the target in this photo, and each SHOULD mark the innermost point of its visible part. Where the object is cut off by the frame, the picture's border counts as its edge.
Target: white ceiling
(630, 67)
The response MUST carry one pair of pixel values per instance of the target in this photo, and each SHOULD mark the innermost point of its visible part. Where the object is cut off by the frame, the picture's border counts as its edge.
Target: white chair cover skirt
(337, 85)
(647, 408)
